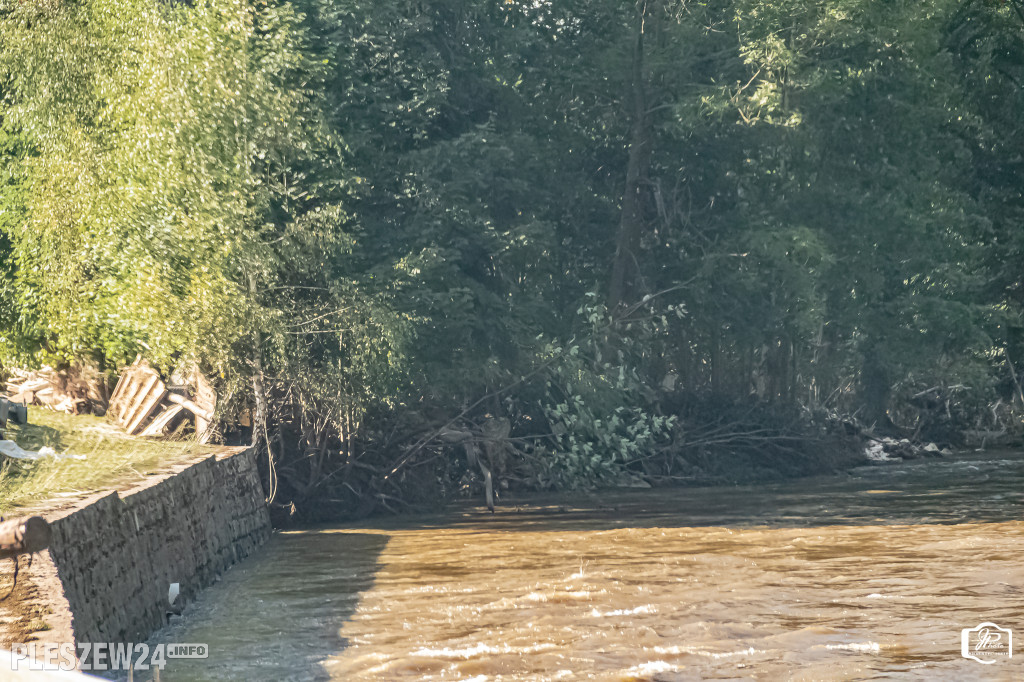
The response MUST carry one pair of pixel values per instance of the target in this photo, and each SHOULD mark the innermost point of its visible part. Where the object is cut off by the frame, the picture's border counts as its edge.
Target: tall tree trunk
(745, 383)
(260, 431)
(631, 221)
(793, 373)
(875, 387)
(716, 359)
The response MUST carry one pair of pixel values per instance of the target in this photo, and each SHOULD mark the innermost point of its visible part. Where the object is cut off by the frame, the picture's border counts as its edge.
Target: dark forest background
(563, 244)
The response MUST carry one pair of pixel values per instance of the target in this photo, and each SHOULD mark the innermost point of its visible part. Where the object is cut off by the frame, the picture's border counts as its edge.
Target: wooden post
(24, 536)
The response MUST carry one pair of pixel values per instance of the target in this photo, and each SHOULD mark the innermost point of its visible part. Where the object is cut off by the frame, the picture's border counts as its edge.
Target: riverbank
(115, 555)
(92, 456)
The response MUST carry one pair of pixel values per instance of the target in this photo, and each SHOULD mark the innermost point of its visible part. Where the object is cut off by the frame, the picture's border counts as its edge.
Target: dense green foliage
(375, 223)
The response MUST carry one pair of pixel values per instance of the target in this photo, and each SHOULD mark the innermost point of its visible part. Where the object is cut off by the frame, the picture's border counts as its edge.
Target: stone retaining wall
(117, 554)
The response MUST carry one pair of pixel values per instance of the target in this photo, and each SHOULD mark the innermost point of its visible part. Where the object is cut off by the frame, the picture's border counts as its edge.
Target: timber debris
(143, 404)
(76, 390)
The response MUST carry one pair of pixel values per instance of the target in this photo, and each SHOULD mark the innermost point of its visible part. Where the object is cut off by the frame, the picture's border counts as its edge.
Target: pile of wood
(143, 404)
(77, 390)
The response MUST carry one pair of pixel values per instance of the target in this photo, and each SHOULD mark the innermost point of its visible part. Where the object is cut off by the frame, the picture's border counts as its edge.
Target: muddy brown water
(866, 575)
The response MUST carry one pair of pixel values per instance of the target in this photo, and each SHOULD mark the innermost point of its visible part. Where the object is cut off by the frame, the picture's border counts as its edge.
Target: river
(871, 574)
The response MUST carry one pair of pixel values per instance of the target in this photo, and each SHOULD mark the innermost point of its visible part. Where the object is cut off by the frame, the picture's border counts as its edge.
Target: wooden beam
(190, 406)
(147, 408)
(148, 384)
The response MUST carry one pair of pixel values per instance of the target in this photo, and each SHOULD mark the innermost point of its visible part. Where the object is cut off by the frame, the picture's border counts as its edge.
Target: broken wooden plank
(140, 383)
(122, 384)
(125, 385)
(115, 397)
(30, 386)
(137, 397)
(147, 382)
(146, 409)
(131, 386)
(162, 424)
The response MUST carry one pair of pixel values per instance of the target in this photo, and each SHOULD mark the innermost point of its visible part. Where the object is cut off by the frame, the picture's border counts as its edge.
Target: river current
(867, 575)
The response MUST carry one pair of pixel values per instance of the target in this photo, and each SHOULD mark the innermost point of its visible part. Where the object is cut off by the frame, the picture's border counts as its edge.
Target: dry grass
(112, 459)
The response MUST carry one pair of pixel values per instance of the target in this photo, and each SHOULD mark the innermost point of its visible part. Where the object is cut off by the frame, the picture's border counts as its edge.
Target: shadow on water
(405, 592)
(277, 615)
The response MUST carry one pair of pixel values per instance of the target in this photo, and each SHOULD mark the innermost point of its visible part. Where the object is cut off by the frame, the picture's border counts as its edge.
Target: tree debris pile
(77, 390)
(893, 450)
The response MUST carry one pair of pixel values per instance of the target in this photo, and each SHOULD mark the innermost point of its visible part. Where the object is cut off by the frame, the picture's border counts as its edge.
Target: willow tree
(183, 196)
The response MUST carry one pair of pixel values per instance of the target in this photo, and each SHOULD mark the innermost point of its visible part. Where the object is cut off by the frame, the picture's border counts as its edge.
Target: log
(190, 406)
(47, 396)
(34, 385)
(24, 536)
(25, 397)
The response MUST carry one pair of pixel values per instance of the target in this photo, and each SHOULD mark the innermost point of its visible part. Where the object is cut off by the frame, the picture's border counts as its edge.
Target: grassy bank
(112, 459)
